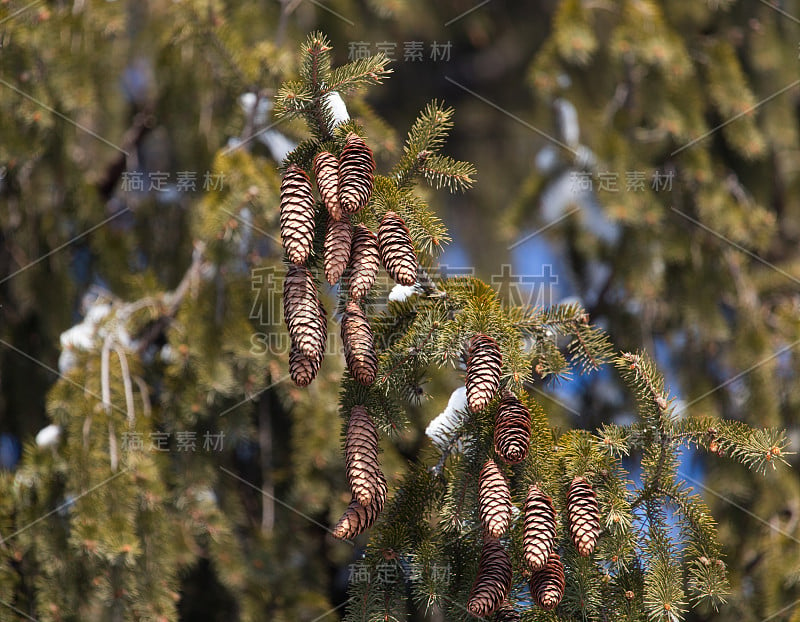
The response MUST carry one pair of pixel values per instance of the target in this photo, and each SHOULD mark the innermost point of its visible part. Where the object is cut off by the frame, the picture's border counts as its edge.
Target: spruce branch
(307, 96)
(641, 375)
(757, 449)
(664, 598)
(426, 137)
(445, 172)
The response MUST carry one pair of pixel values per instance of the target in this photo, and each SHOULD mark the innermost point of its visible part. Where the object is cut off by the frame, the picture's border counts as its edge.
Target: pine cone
(359, 351)
(297, 214)
(539, 536)
(338, 239)
(547, 584)
(361, 457)
(507, 613)
(304, 314)
(512, 429)
(494, 500)
(364, 261)
(484, 362)
(493, 582)
(326, 170)
(397, 250)
(584, 516)
(357, 518)
(302, 369)
(356, 173)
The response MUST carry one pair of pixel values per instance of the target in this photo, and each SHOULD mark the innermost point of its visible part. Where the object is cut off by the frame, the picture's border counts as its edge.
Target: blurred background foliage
(645, 152)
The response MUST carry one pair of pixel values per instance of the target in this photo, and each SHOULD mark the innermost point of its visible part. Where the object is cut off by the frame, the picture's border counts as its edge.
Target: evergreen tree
(699, 101)
(440, 514)
(193, 345)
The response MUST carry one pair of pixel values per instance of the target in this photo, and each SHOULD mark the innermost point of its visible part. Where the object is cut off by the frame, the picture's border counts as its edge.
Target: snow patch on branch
(446, 429)
(401, 293)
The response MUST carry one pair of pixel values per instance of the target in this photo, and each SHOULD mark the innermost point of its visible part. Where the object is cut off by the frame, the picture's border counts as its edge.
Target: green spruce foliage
(658, 553)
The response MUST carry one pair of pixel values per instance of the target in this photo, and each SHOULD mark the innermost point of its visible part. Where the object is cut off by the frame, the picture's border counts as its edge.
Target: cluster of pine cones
(511, 441)
(355, 253)
(352, 253)
(364, 474)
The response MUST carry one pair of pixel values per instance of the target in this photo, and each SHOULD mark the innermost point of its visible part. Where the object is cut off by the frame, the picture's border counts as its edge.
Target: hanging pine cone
(397, 250)
(356, 172)
(338, 239)
(547, 584)
(303, 312)
(493, 582)
(584, 516)
(507, 613)
(539, 536)
(494, 500)
(364, 262)
(302, 369)
(326, 170)
(361, 457)
(484, 362)
(358, 518)
(297, 214)
(359, 351)
(512, 429)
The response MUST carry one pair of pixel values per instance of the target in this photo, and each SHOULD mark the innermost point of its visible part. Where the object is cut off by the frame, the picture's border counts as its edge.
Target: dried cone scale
(484, 363)
(338, 241)
(361, 458)
(494, 500)
(512, 429)
(364, 262)
(584, 516)
(359, 351)
(326, 171)
(397, 250)
(358, 518)
(547, 584)
(304, 314)
(356, 174)
(297, 214)
(302, 369)
(539, 535)
(493, 581)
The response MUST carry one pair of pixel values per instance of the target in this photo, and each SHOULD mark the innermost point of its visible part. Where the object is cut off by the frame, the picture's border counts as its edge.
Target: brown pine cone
(494, 500)
(326, 170)
(302, 369)
(539, 535)
(338, 240)
(356, 174)
(397, 250)
(364, 262)
(297, 214)
(484, 363)
(584, 516)
(512, 429)
(359, 350)
(493, 582)
(303, 312)
(361, 457)
(547, 584)
(358, 518)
